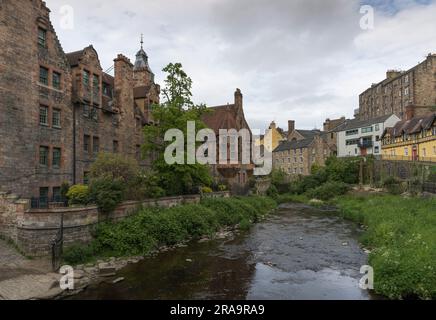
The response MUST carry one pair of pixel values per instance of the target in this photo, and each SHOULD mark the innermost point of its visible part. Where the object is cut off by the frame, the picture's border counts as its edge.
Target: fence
(409, 158)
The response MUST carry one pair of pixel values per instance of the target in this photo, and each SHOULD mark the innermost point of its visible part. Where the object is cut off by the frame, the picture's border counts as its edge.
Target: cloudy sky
(305, 60)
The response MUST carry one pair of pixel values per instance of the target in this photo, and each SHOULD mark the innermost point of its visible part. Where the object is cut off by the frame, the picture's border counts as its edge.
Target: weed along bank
(33, 230)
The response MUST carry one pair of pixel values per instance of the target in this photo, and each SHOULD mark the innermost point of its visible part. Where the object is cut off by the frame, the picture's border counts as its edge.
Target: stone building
(228, 117)
(400, 89)
(59, 110)
(272, 138)
(302, 150)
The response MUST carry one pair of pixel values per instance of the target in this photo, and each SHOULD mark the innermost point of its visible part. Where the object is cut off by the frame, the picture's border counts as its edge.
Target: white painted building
(362, 137)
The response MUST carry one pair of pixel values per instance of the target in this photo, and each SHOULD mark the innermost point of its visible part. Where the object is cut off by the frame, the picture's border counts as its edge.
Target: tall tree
(174, 112)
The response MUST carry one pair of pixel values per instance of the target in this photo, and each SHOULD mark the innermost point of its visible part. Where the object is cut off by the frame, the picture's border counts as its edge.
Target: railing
(365, 144)
(409, 158)
(429, 187)
(46, 202)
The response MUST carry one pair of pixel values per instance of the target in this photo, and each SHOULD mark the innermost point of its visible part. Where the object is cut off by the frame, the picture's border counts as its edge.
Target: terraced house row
(412, 139)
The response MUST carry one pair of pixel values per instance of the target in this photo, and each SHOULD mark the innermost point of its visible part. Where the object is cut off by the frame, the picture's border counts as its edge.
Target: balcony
(365, 144)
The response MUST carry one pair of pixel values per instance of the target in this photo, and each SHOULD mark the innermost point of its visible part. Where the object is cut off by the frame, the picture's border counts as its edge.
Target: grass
(152, 228)
(402, 235)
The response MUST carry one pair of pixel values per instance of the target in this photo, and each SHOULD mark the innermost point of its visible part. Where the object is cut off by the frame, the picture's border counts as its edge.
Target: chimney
(291, 126)
(273, 125)
(327, 125)
(410, 112)
(390, 74)
(238, 98)
(123, 69)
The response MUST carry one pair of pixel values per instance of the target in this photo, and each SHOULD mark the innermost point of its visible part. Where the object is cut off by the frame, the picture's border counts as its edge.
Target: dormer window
(42, 38)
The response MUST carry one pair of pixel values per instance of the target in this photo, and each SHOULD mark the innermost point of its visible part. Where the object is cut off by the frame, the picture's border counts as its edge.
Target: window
(95, 83)
(377, 127)
(42, 37)
(43, 115)
(424, 152)
(86, 78)
(43, 156)
(56, 118)
(352, 142)
(56, 158)
(86, 110)
(43, 194)
(367, 129)
(107, 90)
(96, 144)
(57, 197)
(406, 151)
(86, 141)
(434, 150)
(94, 113)
(406, 91)
(115, 146)
(56, 80)
(43, 75)
(352, 132)
(406, 79)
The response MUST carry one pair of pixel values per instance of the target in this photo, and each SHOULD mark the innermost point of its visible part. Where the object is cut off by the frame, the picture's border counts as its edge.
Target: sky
(302, 60)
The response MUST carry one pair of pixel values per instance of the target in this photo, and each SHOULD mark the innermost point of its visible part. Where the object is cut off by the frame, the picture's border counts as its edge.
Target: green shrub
(107, 193)
(272, 192)
(78, 195)
(393, 186)
(222, 187)
(151, 227)
(402, 235)
(328, 191)
(206, 190)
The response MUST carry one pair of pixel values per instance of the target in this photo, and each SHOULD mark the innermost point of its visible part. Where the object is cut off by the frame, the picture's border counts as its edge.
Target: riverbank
(297, 252)
(400, 234)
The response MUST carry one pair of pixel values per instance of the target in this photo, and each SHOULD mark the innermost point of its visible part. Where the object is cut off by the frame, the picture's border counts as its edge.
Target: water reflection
(299, 253)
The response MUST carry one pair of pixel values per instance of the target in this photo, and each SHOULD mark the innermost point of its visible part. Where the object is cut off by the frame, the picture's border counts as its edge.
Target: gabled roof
(74, 57)
(357, 123)
(414, 125)
(221, 117)
(293, 145)
(107, 78)
(307, 134)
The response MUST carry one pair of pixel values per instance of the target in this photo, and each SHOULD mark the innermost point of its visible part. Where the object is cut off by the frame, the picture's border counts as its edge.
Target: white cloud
(303, 59)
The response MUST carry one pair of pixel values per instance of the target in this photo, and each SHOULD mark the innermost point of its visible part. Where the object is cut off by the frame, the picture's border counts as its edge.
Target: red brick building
(58, 110)
(228, 117)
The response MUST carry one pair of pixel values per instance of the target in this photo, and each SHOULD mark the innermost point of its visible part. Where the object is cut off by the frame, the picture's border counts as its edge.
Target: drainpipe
(74, 144)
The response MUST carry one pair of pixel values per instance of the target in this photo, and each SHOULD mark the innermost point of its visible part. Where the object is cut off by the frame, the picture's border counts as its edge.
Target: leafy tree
(174, 113)
(107, 193)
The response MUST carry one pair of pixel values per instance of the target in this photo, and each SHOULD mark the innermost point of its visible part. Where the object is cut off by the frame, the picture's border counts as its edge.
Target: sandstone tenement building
(302, 150)
(59, 110)
(401, 89)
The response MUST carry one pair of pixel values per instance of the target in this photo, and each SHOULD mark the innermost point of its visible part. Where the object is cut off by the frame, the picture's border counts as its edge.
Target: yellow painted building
(272, 138)
(411, 140)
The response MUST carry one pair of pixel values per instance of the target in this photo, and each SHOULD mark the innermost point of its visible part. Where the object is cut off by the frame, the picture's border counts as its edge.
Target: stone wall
(34, 229)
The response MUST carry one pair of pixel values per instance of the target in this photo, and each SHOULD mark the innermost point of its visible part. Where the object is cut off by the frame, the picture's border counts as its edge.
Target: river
(298, 253)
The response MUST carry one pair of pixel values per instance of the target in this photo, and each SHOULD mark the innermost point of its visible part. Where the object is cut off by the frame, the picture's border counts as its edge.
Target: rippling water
(298, 253)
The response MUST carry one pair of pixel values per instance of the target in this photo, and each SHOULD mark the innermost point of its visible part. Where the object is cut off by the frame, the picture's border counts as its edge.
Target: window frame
(56, 160)
(58, 112)
(44, 156)
(46, 108)
(42, 80)
(57, 84)
(42, 41)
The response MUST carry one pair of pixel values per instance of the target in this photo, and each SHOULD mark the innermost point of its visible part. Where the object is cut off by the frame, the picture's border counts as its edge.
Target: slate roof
(307, 134)
(412, 126)
(74, 57)
(293, 145)
(357, 123)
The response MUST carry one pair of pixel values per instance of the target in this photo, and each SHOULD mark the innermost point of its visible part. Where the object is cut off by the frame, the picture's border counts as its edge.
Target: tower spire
(142, 41)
